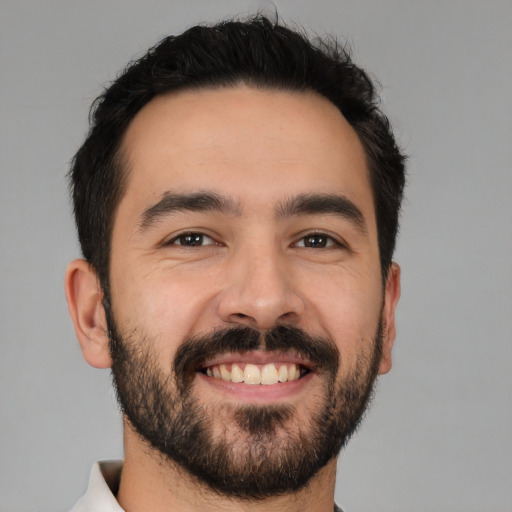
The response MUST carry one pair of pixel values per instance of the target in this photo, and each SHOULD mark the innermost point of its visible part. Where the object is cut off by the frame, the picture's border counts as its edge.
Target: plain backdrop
(438, 436)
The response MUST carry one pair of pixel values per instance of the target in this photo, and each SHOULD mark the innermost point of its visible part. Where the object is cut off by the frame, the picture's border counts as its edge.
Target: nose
(260, 291)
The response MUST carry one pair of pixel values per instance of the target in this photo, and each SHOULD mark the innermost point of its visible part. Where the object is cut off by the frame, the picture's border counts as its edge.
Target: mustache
(194, 352)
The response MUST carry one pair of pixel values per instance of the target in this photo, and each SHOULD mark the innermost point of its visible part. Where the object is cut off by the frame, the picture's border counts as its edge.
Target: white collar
(103, 486)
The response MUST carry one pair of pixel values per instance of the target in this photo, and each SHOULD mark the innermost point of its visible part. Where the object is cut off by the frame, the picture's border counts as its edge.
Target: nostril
(290, 318)
(242, 319)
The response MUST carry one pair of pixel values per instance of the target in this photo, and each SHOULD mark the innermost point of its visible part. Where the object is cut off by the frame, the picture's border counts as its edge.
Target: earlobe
(391, 297)
(84, 297)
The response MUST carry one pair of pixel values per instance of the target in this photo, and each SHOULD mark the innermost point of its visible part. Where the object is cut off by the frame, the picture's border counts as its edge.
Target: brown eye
(316, 241)
(192, 240)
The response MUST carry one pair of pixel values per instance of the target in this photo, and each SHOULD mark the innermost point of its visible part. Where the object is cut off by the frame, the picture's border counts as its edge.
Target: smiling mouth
(254, 374)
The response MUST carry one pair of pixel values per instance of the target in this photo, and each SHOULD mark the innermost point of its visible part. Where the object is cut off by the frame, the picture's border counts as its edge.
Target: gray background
(439, 434)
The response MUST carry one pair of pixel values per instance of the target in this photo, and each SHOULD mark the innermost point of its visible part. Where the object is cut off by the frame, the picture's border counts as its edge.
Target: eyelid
(336, 241)
(171, 241)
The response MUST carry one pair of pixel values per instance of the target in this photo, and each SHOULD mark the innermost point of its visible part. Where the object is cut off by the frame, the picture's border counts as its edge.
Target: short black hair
(260, 53)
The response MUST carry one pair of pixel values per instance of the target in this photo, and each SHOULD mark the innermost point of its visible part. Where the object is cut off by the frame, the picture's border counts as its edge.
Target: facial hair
(264, 450)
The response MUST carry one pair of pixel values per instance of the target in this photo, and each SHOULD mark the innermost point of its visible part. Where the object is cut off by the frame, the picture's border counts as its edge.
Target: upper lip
(261, 357)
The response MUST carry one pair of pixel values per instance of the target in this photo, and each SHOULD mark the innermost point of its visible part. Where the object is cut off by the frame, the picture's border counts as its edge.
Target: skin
(258, 149)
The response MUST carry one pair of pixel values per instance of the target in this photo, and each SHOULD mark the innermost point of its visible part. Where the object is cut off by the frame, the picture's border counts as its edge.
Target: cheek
(348, 311)
(167, 306)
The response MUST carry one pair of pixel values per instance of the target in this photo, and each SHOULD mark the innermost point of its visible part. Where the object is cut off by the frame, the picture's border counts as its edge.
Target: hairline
(120, 156)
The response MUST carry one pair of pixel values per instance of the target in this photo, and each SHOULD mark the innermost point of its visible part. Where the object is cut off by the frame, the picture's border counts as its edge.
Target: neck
(149, 482)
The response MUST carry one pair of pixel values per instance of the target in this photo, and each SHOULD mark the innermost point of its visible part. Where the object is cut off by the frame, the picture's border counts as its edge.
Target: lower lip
(257, 393)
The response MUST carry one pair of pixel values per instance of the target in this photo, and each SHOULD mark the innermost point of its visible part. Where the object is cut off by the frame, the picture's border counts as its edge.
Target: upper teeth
(253, 374)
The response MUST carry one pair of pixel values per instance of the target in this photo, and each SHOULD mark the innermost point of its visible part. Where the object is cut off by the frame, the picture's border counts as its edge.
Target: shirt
(103, 487)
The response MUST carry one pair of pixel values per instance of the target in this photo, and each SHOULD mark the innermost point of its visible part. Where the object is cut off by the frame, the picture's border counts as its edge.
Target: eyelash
(330, 242)
(191, 234)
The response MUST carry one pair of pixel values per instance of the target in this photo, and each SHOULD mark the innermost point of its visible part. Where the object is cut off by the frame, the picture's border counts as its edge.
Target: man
(237, 204)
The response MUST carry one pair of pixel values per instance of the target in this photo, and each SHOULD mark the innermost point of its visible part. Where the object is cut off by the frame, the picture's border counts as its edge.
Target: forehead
(253, 145)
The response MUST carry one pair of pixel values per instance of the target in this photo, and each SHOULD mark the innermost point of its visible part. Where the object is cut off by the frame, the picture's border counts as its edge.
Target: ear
(391, 296)
(84, 296)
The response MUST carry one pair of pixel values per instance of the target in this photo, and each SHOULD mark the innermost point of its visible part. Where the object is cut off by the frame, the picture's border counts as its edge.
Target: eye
(317, 241)
(192, 240)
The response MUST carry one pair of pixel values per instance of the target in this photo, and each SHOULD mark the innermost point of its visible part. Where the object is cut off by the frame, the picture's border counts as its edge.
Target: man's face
(247, 300)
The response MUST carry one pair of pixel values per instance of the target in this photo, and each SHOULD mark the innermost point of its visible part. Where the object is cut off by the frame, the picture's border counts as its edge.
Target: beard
(248, 452)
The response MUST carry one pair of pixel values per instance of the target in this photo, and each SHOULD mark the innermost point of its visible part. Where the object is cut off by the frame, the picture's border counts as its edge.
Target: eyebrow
(172, 203)
(303, 204)
(314, 204)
